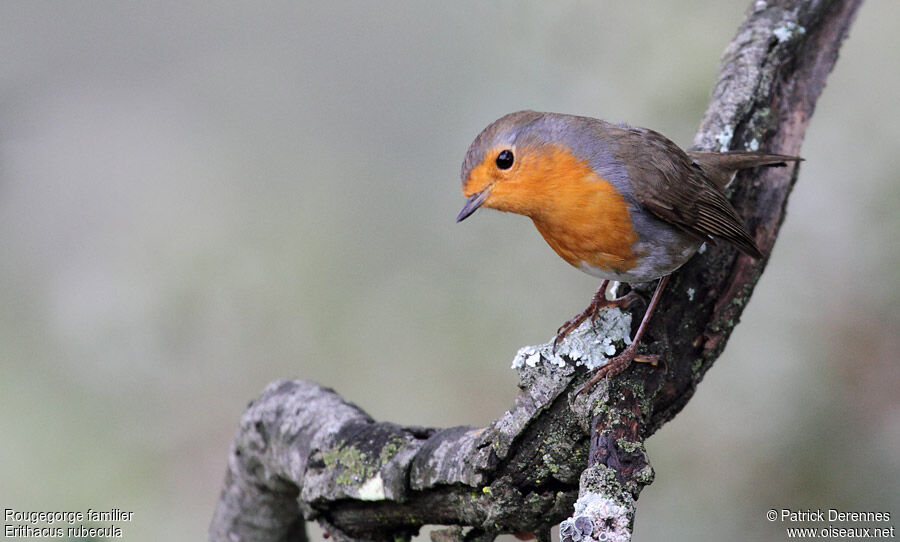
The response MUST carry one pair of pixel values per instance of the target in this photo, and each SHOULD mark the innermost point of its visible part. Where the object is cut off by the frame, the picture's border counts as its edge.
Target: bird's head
(559, 171)
(519, 163)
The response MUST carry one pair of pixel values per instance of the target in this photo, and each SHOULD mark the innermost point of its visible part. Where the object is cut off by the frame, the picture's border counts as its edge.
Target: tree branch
(303, 453)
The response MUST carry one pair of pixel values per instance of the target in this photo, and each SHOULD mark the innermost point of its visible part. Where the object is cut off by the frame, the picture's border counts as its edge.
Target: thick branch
(303, 453)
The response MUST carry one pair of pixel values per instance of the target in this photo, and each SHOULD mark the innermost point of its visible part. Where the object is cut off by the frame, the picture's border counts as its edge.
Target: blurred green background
(199, 198)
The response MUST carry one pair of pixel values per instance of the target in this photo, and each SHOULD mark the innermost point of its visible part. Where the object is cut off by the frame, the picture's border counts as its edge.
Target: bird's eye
(505, 159)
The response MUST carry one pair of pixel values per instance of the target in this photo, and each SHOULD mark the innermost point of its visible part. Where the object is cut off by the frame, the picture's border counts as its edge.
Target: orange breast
(580, 215)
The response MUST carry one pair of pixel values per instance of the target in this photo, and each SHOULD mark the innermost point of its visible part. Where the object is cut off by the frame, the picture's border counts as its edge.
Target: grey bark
(303, 453)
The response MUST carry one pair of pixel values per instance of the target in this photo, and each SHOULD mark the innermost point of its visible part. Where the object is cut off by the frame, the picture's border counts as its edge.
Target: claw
(651, 359)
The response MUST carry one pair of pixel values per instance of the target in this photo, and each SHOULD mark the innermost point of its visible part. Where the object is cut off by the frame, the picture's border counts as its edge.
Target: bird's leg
(621, 362)
(598, 302)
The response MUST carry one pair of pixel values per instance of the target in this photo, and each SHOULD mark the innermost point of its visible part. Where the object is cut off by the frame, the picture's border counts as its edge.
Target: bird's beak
(473, 203)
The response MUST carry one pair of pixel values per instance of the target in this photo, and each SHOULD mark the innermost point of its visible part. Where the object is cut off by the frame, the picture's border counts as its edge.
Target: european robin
(617, 202)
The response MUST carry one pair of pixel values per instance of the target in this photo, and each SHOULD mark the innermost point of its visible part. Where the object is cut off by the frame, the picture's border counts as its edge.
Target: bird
(618, 202)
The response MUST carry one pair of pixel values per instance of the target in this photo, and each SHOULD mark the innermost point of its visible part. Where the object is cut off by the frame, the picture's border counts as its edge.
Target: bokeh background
(199, 198)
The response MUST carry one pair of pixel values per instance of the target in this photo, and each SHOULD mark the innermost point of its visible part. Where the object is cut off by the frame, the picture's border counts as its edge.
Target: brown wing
(671, 186)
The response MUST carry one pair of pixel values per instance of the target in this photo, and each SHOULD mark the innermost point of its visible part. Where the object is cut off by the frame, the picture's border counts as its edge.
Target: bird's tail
(721, 166)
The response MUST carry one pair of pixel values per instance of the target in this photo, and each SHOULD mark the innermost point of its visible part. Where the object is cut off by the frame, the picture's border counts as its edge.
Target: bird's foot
(616, 365)
(598, 302)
